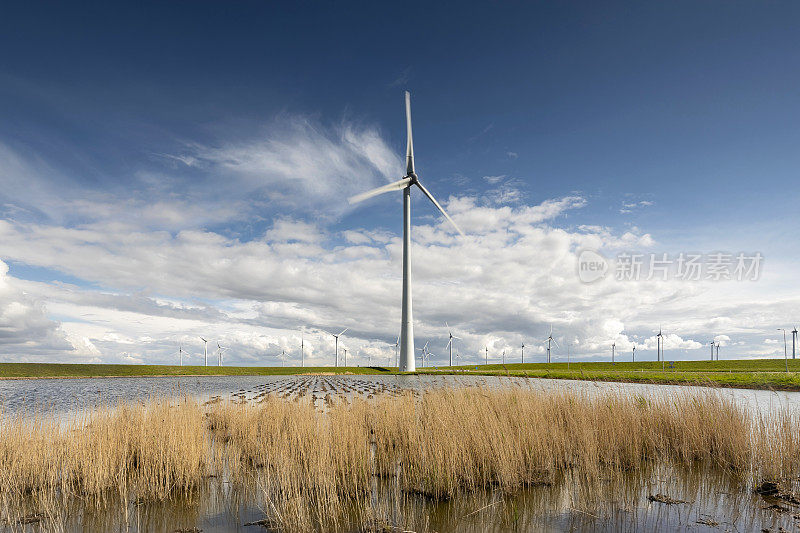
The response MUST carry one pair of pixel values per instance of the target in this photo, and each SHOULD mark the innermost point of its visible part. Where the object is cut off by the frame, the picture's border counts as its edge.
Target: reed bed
(318, 470)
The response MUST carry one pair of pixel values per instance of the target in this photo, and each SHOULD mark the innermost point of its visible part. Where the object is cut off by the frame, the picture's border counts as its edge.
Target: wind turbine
(717, 350)
(220, 351)
(396, 345)
(549, 340)
(450, 342)
(424, 353)
(335, 336)
(523, 353)
(302, 349)
(205, 351)
(633, 354)
(487, 355)
(658, 344)
(712, 349)
(407, 363)
(794, 341)
(345, 356)
(785, 357)
(613, 349)
(181, 351)
(504, 357)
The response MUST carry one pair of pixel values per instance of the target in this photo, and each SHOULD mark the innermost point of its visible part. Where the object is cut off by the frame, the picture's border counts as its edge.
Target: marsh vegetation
(324, 460)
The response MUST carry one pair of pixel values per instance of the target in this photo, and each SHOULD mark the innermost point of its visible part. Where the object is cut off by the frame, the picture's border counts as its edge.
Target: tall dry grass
(318, 471)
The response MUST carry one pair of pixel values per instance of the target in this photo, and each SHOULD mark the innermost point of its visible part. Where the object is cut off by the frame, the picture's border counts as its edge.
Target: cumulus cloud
(25, 329)
(154, 270)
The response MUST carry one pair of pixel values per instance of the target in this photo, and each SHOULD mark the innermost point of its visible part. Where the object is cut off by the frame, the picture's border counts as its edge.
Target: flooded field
(62, 396)
(394, 453)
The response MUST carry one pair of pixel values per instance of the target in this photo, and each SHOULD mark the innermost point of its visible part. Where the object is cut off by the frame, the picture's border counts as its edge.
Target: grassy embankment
(57, 370)
(742, 373)
(311, 466)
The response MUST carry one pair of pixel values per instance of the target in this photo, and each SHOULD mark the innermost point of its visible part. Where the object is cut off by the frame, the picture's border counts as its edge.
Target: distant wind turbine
(180, 353)
(658, 344)
(633, 354)
(205, 351)
(522, 353)
(450, 342)
(302, 349)
(717, 350)
(407, 363)
(336, 336)
(549, 340)
(396, 346)
(613, 349)
(712, 349)
(425, 354)
(794, 341)
(220, 351)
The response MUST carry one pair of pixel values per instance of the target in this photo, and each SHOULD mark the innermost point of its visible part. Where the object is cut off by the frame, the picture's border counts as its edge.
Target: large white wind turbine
(407, 363)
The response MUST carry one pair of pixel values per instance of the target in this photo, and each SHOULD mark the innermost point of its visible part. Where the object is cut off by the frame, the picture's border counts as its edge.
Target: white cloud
(158, 272)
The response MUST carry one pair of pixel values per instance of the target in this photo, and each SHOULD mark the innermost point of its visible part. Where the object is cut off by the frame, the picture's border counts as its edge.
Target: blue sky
(127, 130)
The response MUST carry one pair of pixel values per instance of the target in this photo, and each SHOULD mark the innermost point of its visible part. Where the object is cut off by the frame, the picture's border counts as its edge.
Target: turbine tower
(633, 354)
(712, 349)
(794, 341)
(205, 351)
(613, 349)
(407, 363)
(717, 350)
(522, 352)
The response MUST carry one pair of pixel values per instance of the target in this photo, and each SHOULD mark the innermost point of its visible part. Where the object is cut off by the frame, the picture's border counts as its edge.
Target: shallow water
(62, 396)
(712, 501)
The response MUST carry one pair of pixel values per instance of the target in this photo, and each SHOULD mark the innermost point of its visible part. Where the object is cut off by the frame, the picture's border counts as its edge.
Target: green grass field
(743, 373)
(56, 370)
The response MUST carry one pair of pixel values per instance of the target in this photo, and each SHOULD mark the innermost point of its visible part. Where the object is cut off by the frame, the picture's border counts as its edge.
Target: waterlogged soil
(659, 498)
(662, 499)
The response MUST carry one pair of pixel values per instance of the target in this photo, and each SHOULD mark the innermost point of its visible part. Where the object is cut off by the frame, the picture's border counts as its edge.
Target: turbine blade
(342, 333)
(409, 137)
(396, 186)
(446, 346)
(439, 207)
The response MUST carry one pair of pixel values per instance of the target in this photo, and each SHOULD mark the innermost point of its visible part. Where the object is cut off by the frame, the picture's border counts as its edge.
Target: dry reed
(318, 470)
